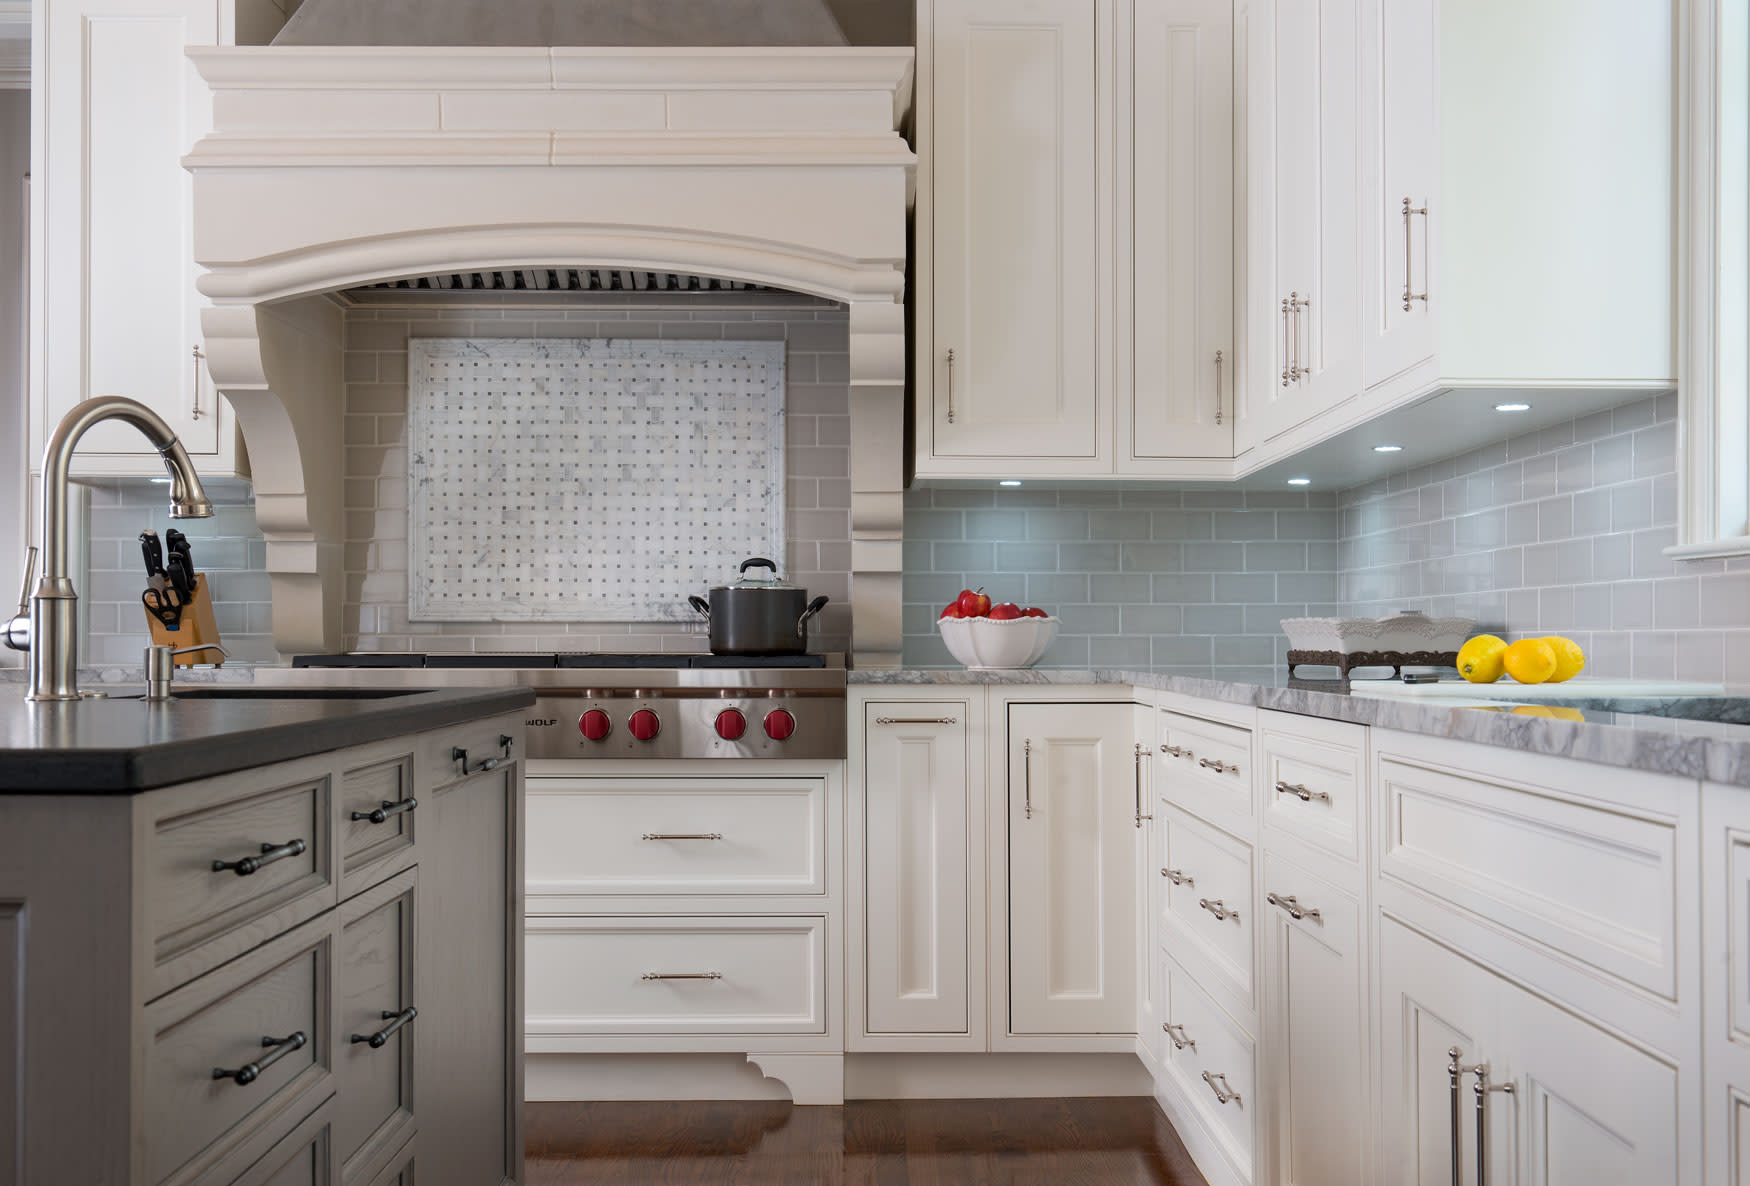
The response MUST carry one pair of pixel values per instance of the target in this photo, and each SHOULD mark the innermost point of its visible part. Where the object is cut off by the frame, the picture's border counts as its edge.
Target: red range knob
(595, 724)
(644, 725)
(780, 725)
(731, 724)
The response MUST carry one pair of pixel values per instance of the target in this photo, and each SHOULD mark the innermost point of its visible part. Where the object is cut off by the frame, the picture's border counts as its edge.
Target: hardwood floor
(1046, 1142)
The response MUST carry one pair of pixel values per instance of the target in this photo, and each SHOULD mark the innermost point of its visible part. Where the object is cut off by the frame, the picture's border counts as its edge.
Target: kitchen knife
(178, 543)
(152, 551)
(180, 578)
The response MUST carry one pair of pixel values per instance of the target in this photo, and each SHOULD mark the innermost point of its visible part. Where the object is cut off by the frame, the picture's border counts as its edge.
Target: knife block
(197, 628)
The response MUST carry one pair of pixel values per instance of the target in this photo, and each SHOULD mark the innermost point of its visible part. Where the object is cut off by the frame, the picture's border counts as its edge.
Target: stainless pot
(758, 615)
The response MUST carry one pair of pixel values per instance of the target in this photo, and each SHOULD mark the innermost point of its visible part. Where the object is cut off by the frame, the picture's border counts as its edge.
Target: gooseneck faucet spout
(53, 623)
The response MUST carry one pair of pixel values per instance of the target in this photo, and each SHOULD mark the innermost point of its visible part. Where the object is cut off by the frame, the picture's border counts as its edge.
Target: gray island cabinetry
(262, 940)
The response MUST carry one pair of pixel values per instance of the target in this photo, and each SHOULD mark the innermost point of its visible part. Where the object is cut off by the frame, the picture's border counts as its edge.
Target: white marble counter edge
(1639, 748)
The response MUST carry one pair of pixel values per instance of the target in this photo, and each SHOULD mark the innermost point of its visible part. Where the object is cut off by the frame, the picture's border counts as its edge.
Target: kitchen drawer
(671, 975)
(1206, 874)
(1314, 775)
(303, 1158)
(487, 744)
(379, 816)
(374, 976)
(1209, 1057)
(1205, 766)
(632, 836)
(192, 1118)
(400, 1170)
(198, 916)
(1542, 853)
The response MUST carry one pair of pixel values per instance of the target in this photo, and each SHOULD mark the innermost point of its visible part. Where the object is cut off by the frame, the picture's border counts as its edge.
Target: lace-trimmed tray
(588, 479)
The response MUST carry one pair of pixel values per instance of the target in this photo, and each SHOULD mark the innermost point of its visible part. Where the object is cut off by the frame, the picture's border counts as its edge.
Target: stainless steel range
(628, 706)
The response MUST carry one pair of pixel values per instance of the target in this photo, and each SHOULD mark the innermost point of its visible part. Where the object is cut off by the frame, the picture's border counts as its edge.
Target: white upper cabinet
(1181, 140)
(1303, 185)
(1010, 360)
(114, 309)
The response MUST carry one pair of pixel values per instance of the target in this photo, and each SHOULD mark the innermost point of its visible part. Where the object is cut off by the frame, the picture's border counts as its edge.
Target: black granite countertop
(123, 744)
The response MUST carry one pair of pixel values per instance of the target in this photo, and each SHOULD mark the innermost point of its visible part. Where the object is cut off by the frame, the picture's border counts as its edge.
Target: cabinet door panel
(1072, 837)
(1015, 248)
(1317, 1021)
(915, 836)
(1182, 142)
(374, 976)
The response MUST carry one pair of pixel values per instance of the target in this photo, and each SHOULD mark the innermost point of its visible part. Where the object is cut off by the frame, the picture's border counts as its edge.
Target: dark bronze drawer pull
(396, 1020)
(268, 855)
(458, 754)
(390, 807)
(248, 1073)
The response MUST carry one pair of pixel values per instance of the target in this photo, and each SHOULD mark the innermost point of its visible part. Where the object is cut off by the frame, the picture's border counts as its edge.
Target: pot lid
(752, 578)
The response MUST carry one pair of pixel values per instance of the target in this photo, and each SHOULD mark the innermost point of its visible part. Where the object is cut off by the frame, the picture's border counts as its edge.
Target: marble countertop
(1630, 733)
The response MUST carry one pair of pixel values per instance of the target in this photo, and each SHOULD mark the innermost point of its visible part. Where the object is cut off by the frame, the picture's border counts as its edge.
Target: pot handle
(814, 607)
(699, 604)
(758, 562)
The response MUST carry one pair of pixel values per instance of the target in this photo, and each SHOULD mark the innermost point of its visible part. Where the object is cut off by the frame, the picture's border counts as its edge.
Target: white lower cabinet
(1562, 1100)
(1074, 806)
(1212, 1063)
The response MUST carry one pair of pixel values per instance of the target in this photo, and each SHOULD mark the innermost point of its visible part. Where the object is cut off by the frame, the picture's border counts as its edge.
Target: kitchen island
(252, 935)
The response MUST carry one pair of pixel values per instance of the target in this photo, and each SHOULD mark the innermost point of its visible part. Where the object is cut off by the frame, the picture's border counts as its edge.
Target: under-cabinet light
(1300, 481)
(1512, 407)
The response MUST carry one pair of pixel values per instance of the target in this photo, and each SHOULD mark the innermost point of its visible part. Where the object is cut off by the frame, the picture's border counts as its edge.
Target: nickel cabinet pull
(195, 413)
(269, 854)
(1409, 293)
(390, 807)
(917, 720)
(249, 1072)
(1482, 1088)
(1295, 910)
(1177, 751)
(1027, 775)
(1178, 877)
(682, 836)
(950, 386)
(396, 1019)
(1221, 912)
(1299, 791)
(682, 976)
(1176, 1033)
(1220, 403)
(1217, 765)
(1141, 753)
(1224, 1094)
(1288, 368)
(1296, 303)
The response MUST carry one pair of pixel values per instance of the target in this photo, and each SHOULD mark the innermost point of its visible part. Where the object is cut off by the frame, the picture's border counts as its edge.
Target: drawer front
(676, 836)
(1210, 1057)
(676, 976)
(483, 746)
(1314, 772)
(1205, 766)
(374, 976)
(304, 1158)
(1592, 880)
(400, 1170)
(1205, 874)
(190, 903)
(223, 1021)
(379, 815)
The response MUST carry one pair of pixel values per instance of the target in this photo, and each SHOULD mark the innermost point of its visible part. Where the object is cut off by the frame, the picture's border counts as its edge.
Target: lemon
(1570, 659)
(1479, 660)
(1530, 660)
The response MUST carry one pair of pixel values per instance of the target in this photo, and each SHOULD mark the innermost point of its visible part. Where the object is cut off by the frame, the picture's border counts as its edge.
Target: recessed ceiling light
(1300, 481)
(1010, 482)
(1512, 407)
(1388, 448)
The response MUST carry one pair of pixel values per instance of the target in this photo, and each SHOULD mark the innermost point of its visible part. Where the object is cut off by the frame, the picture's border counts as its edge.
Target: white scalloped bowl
(987, 644)
(1408, 632)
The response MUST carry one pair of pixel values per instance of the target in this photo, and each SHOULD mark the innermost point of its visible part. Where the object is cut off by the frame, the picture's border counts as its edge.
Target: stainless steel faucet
(53, 638)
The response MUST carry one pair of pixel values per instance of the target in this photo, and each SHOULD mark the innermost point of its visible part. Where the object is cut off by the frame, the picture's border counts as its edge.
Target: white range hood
(333, 167)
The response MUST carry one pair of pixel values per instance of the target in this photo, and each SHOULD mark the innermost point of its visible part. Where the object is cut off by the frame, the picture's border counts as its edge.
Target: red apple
(1008, 611)
(953, 611)
(973, 603)
(1034, 611)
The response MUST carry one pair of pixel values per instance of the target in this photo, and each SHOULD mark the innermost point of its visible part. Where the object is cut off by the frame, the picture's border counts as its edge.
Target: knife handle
(152, 552)
(179, 577)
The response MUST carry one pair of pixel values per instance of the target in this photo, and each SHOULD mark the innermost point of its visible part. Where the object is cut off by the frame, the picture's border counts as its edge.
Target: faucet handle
(29, 572)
